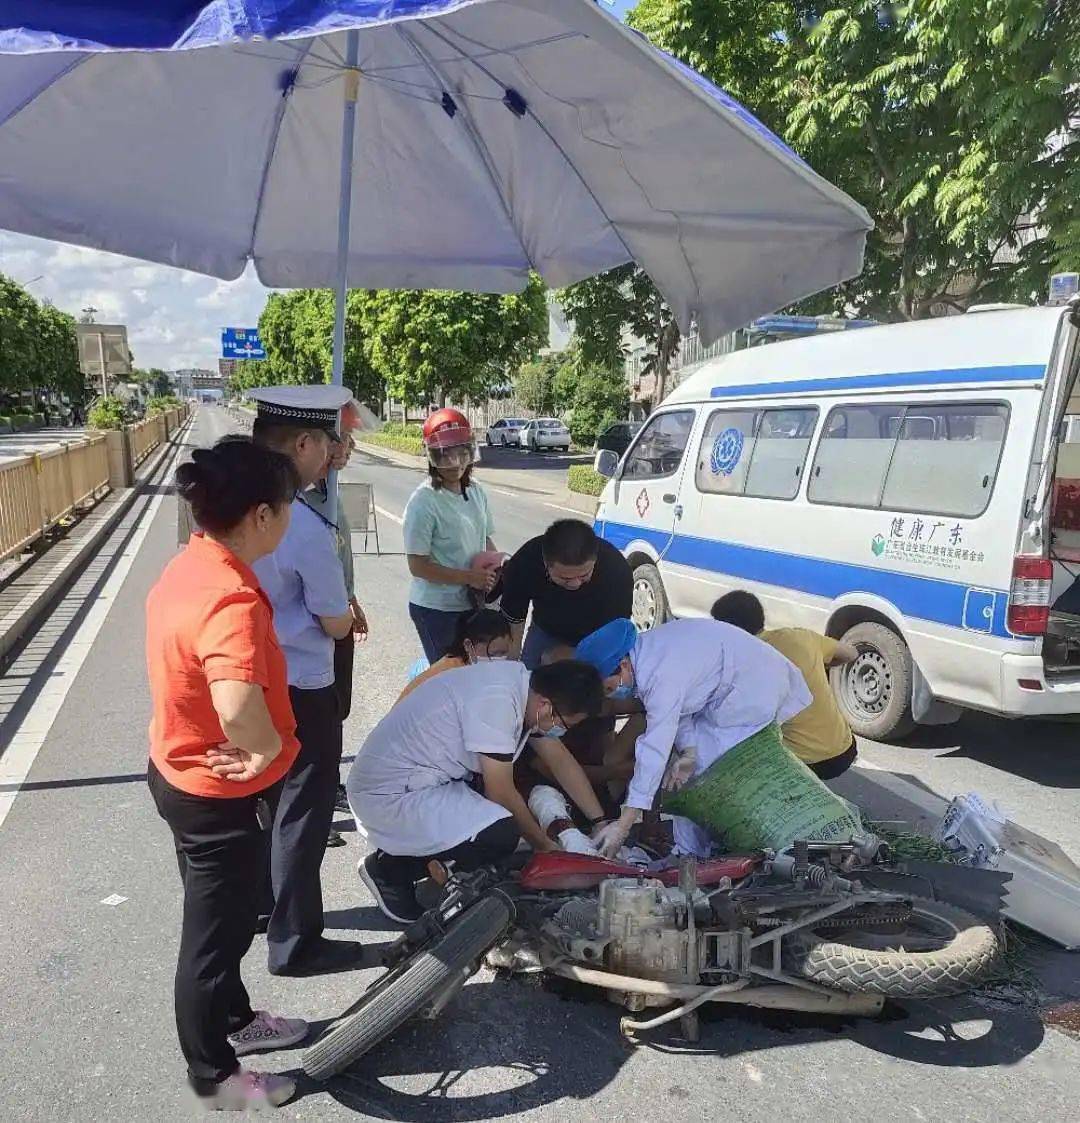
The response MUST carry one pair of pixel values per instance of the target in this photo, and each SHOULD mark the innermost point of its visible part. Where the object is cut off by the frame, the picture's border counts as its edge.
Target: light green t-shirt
(443, 526)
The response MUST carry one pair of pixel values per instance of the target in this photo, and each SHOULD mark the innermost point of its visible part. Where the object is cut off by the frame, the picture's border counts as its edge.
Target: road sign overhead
(241, 343)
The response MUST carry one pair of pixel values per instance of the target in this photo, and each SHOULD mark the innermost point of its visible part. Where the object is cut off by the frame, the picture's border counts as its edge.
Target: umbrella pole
(348, 131)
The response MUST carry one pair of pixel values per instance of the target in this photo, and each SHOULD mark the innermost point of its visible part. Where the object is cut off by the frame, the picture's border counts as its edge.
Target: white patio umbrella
(406, 144)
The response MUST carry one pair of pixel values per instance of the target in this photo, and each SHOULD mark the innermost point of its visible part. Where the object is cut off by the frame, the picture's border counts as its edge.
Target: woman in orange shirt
(222, 738)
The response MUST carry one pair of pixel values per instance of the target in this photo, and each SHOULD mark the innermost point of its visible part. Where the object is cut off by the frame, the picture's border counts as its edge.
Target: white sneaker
(265, 1033)
(244, 1091)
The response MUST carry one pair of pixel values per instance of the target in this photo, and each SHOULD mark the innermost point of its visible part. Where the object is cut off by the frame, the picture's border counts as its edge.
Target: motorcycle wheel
(943, 950)
(416, 983)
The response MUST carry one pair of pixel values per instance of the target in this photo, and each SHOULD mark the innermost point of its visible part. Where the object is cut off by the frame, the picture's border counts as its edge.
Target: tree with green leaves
(605, 308)
(534, 384)
(435, 345)
(600, 399)
(38, 350)
(950, 121)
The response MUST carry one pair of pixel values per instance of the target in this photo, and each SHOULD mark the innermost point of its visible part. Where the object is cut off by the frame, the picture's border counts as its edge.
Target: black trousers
(221, 850)
(304, 814)
(836, 765)
(492, 845)
(344, 655)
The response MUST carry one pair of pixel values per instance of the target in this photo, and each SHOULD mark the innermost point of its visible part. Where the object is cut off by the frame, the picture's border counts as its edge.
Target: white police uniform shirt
(304, 580)
(705, 685)
(409, 786)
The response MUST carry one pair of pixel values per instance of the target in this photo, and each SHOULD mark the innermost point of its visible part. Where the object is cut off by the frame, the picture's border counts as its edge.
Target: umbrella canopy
(491, 137)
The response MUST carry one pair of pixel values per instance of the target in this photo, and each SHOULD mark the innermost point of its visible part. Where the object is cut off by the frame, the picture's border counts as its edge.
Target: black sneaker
(324, 957)
(341, 801)
(335, 839)
(395, 900)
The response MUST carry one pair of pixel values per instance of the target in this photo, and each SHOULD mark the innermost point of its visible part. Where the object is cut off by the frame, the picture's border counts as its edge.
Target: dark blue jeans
(436, 629)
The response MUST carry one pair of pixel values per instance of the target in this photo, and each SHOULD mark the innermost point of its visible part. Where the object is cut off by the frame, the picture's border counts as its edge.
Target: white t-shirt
(451, 530)
(408, 786)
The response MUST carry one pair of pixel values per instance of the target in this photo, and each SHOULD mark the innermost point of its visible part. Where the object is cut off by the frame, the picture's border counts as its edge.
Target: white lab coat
(409, 786)
(707, 686)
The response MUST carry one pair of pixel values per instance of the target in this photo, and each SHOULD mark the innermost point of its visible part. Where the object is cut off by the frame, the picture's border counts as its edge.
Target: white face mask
(475, 657)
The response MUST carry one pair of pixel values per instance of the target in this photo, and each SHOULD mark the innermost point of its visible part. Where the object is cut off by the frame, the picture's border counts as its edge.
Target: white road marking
(503, 491)
(114, 899)
(390, 515)
(30, 735)
(569, 510)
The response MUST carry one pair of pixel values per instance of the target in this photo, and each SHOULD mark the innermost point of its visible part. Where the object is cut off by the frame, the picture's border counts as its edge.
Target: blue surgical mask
(557, 731)
(621, 692)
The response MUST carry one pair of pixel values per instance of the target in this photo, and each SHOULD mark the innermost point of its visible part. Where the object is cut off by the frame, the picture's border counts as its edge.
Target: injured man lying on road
(435, 778)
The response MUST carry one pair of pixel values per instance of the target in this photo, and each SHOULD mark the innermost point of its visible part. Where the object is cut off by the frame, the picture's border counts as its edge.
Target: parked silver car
(505, 431)
(545, 432)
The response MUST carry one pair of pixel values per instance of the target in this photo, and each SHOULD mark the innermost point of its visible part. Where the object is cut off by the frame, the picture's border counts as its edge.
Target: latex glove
(680, 769)
(576, 842)
(608, 838)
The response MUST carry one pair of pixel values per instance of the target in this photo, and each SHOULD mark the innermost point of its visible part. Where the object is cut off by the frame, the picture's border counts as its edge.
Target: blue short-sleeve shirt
(304, 580)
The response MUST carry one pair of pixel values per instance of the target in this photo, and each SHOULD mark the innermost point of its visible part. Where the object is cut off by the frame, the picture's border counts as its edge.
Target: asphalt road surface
(90, 908)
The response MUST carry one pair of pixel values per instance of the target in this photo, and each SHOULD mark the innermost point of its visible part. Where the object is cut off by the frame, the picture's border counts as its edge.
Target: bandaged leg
(552, 812)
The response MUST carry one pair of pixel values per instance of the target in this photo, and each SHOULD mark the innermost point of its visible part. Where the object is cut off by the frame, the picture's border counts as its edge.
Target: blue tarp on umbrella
(491, 137)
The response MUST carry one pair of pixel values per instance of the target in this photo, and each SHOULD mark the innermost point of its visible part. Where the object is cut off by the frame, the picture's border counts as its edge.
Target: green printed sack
(759, 795)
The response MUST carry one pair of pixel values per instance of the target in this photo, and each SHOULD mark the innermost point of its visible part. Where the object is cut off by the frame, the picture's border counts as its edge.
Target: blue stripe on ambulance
(973, 608)
(894, 380)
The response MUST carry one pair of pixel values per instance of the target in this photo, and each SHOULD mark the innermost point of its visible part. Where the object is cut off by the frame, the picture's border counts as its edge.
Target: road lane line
(390, 515)
(569, 510)
(503, 491)
(30, 734)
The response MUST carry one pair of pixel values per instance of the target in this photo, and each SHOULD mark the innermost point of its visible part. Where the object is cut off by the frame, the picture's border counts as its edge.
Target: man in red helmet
(447, 524)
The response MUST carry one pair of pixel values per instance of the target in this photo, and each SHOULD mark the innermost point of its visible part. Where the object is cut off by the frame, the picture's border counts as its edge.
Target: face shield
(459, 455)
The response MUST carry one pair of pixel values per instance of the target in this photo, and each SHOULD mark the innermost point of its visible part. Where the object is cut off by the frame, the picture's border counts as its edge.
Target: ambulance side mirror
(606, 463)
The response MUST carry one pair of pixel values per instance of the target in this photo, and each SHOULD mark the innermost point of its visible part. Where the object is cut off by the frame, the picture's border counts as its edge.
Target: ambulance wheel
(874, 691)
(650, 604)
(408, 989)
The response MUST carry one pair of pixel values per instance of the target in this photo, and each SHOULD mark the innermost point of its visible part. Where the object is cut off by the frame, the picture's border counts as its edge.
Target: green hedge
(161, 403)
(107, 413)
(585, 479)
(398, 429)
(397, 442)
(21, 421)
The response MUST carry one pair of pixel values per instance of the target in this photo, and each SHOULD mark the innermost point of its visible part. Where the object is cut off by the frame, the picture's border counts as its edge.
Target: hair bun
(196, 478)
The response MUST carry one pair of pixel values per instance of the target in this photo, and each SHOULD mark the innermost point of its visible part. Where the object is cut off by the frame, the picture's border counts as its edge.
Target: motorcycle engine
(636, 927)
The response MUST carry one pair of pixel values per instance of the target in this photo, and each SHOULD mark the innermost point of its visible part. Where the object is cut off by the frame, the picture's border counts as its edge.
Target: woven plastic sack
(759, 795)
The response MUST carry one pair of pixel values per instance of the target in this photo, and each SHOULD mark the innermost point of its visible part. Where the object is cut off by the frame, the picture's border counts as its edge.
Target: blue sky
(174, 318)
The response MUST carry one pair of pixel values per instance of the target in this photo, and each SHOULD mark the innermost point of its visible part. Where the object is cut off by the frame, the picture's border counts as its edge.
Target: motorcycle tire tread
(431, 971)
(958, 967)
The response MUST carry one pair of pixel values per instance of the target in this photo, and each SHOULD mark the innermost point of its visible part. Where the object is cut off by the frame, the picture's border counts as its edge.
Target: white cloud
(174, 318)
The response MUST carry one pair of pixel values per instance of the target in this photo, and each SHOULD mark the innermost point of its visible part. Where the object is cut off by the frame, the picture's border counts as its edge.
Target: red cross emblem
(642, 503)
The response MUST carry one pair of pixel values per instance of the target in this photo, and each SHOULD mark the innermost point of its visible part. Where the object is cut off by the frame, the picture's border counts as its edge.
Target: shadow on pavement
(494, 459)
(524, 1050)
(1046, 757)
(81, 782)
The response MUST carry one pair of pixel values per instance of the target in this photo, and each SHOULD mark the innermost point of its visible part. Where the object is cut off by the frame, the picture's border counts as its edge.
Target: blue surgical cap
(606, 648)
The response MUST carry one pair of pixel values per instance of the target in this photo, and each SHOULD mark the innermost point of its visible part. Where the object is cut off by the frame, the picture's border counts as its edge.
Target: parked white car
(505, 431)
(545, 432)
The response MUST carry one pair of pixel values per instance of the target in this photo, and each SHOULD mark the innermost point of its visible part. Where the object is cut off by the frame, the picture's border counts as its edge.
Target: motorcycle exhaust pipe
(766, 997)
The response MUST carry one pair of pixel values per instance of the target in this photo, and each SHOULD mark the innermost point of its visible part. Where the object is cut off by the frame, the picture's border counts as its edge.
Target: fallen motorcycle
(798, 930)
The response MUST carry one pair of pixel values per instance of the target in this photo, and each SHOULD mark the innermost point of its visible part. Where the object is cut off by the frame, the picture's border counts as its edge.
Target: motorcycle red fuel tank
(561, 870)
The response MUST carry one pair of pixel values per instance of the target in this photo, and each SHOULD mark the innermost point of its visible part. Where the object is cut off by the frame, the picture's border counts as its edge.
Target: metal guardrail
(39, 490)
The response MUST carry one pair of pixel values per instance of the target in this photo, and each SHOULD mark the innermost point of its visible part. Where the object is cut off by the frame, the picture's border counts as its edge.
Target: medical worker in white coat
(705, 687)
(435, 777)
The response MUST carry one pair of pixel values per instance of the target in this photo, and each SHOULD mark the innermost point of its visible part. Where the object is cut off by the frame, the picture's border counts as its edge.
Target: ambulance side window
(659, 449)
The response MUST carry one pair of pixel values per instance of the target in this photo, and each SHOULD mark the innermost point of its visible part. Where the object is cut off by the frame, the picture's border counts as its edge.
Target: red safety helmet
(446, 428)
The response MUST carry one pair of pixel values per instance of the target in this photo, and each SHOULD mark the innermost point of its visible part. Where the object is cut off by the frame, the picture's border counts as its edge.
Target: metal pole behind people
(348, 136)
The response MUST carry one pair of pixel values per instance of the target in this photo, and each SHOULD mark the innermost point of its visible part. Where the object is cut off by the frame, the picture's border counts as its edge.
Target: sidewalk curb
(38, 603)
(405, 460)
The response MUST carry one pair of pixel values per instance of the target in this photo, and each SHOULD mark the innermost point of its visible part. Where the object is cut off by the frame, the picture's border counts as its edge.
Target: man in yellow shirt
(819, 735)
